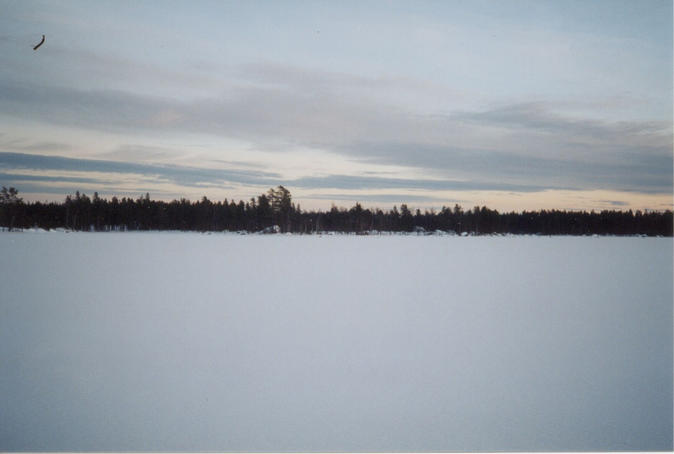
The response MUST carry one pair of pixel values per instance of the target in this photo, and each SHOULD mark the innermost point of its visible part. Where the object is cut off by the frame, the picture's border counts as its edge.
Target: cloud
(627, 170)
(516, 146)
(537, 116)
(140, 153)
(43, 146)
(382, 198)
(209, 177)
(9, 179)
(20, 144)
(181, 175)
(615, 203)
(364, 182)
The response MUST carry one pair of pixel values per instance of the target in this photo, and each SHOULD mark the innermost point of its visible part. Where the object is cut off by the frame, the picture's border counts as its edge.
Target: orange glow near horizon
(596, 200)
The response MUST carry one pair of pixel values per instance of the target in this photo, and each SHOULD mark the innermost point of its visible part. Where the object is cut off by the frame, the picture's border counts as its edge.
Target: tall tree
(281, 206)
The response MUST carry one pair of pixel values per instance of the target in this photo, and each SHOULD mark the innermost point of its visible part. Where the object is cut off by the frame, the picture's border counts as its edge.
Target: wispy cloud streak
(182, 175)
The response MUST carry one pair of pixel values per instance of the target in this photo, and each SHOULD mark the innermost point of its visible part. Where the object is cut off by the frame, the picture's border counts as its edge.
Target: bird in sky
(39, 44)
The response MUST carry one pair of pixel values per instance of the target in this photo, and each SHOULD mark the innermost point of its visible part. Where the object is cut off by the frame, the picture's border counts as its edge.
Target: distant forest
(275, 212)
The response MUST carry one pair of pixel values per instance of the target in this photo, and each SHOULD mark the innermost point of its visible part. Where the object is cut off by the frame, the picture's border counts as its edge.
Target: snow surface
(190, 342)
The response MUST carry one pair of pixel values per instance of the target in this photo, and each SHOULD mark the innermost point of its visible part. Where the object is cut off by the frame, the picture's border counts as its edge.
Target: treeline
(275, 212)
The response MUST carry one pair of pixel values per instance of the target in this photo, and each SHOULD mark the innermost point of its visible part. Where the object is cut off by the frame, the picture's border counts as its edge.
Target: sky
(514, 105)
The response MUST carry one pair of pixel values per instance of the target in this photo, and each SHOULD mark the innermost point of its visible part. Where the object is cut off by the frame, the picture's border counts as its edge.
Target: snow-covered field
(169, 341)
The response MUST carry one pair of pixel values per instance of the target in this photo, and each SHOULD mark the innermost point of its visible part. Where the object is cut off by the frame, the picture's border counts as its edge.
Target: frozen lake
(174, 342)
